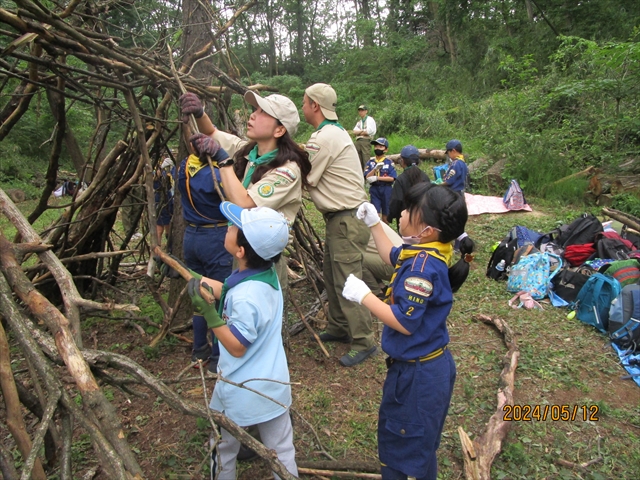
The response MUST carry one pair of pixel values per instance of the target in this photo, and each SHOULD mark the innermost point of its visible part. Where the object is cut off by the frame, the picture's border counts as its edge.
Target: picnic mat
(479, 204)
(630, 362)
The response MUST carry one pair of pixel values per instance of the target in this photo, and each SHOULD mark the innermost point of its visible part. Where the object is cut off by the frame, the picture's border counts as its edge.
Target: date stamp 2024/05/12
(555, 413)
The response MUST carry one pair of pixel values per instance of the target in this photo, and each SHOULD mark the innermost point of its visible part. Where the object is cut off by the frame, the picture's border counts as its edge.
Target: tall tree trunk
(450, 43)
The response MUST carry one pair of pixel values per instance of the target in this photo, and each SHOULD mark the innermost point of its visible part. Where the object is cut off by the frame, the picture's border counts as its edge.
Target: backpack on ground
(582, 230)
(533, 274)
(624, 318)
(514, 197)
(568, 283)
(502, 257)
(626, 272)
(612, 245)
(594, 300)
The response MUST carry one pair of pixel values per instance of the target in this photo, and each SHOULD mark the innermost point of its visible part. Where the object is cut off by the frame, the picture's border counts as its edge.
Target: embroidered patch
(286, 173)
(419, 286)
(312, 147)
(265, 190)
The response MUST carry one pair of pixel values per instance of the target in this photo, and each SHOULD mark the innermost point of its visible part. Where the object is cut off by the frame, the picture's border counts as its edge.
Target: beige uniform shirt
(280, 188)
(336, 181)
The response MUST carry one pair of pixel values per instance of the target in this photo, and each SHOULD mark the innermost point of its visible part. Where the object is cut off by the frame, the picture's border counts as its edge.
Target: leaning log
(624, 218)
(478, 455)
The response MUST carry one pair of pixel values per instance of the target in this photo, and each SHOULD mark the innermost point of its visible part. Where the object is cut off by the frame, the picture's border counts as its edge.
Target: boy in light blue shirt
(248, 326)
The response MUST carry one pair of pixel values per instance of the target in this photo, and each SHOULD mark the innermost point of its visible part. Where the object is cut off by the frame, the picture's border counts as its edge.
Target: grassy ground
(562, 362)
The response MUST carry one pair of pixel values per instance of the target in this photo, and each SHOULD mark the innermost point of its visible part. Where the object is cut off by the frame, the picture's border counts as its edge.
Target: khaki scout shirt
(336, 181)
(279, 188)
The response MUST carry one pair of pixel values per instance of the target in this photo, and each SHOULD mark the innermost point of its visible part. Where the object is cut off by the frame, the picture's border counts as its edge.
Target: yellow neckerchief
(194, 166)
(439, 250)
(380, 159)
(458, 157)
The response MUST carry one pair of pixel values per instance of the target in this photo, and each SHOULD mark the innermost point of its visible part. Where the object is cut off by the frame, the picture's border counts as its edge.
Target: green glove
(208, 311)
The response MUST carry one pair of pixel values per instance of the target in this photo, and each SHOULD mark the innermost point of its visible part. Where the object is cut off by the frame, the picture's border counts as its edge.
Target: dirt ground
(561, 362)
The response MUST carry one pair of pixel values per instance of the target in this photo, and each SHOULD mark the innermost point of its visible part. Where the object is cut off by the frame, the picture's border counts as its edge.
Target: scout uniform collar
(267, 276)
(439, 250)
(254, 160)
(364, 122)
(329, 122)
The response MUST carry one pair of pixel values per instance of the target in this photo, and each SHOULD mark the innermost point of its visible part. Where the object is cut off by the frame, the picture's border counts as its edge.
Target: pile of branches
(42, 305)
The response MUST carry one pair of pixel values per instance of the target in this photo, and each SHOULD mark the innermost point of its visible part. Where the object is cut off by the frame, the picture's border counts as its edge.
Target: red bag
(576, 255)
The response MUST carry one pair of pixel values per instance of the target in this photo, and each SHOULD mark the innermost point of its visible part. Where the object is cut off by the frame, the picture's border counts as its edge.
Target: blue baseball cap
(266, 230)
(410, 153)
(454, 145)
(380, 141)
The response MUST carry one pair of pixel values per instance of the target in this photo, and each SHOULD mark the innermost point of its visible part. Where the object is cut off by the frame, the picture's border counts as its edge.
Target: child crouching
(248, 326)
(421, 371)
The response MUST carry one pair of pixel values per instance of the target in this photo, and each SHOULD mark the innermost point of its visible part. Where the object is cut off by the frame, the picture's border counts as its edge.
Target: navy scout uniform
(336, 187)
(456, 175)
(421, 371)
(203, 244)
(279, 189)
(381, 191)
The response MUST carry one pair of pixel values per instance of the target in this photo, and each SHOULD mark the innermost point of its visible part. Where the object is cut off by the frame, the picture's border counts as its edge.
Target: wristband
(227, 162)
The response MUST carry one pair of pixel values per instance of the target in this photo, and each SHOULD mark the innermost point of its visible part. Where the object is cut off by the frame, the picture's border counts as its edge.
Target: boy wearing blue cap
(380, 174)
(248, 326)
(456, 175)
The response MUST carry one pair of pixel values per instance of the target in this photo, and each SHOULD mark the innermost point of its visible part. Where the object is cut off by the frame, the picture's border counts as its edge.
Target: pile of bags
(585, 266)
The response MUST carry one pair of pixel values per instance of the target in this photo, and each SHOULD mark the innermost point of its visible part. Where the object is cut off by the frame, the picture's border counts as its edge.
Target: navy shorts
(415, 401)
(381, 198)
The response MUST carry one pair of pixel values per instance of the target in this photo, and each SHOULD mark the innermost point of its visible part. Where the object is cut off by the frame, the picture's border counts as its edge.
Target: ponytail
(459, 272)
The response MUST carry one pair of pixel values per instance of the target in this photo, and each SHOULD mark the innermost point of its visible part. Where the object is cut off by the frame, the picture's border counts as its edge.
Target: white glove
(371, 179)
(379, 164)
(355, 289)
(368, 214)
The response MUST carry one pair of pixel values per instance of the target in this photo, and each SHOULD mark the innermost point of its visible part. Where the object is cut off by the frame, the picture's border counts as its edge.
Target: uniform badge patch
(265, 190)
(419, 286)
(286, 173)
(312, 147)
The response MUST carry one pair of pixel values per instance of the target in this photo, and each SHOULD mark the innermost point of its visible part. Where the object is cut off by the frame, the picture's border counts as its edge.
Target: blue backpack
(624, 319)
(594, 300)
(533, 274)
(439, 172)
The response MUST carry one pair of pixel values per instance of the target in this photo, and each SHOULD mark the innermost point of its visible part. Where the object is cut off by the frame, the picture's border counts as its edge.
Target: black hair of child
(442, 208)
(251, 257)
(412, 171)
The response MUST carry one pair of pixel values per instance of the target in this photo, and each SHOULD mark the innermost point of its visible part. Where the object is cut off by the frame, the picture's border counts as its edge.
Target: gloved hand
(379, 164)
(355, 289)
(207, 310)
(368, 214)
(371, 179)
(204, 144)
(190, 104)
(167, 271)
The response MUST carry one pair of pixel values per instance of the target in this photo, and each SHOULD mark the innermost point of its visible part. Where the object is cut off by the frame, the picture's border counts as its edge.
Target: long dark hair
(442, 208)
(288, 150)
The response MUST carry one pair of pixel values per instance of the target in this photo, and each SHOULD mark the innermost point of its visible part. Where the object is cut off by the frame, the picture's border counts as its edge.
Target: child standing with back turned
(248, 326)
(421, 371)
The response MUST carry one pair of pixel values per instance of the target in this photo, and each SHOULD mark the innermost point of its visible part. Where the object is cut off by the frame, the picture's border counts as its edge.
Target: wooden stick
(184, 272)
(585, 172)
(306, 324)
(335, 473)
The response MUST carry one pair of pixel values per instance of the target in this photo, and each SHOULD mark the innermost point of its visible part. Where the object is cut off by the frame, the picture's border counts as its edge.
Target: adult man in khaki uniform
(337, 189)
(364, 131)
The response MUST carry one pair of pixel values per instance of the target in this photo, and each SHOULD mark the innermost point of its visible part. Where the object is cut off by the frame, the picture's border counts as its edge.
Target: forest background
(550, 83)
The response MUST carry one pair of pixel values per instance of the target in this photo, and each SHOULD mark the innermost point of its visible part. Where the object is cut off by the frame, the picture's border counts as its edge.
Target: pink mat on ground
(479, 204)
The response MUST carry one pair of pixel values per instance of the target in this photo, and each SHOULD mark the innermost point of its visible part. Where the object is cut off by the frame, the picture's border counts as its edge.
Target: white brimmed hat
(325, 96)
(279, 107)
(266, 230)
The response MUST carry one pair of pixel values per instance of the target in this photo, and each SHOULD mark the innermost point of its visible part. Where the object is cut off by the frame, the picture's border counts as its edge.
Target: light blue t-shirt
(253, 309)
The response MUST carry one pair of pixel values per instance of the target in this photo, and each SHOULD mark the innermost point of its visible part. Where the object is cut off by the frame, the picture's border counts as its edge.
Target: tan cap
(279, 107)
(325, 96)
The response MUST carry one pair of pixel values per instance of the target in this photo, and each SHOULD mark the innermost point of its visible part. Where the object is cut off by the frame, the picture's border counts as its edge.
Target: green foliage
(628, 203)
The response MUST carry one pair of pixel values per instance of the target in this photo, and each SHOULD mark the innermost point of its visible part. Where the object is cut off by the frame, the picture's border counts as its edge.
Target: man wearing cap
(380, 173)
(456, 175)
(337, 189)
(364, 130)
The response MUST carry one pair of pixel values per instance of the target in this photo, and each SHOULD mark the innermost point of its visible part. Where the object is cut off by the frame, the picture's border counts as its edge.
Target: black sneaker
(213, 365)
(355, 357)
(327, 337)
(203, 353)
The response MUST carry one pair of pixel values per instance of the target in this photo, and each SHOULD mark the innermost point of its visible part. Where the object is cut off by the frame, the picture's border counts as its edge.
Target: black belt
(340, 213)
(209, 225)
(435, 354)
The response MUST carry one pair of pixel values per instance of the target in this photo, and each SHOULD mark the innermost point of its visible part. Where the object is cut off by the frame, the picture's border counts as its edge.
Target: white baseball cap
(325, 96)
(266, 230)
(167, 163)
(279, 107)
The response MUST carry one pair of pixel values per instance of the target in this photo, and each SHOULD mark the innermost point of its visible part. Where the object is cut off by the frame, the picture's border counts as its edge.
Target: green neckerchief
(254, 160)
(364, 122)
(329, 122)
(268, 276)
